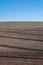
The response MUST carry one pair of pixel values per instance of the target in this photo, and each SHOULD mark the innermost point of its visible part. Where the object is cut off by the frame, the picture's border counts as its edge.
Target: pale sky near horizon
(21, 10)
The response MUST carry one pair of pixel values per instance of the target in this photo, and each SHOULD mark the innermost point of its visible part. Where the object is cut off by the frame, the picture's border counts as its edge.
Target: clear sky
(21, 10)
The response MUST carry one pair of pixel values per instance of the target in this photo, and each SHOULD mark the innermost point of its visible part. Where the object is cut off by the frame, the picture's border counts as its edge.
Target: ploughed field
(21, 44)
(20, 61)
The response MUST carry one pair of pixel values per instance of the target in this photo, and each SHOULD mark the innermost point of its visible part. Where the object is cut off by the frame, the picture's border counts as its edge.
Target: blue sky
(21, 10)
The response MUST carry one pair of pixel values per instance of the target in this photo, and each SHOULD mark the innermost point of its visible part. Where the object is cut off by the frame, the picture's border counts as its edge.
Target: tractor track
(24, 56)
(22, 38)
(20, 32)
(23, 48)
(20, 57)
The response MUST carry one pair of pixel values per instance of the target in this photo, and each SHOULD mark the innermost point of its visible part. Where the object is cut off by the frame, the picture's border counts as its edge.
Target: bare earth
(21, 43)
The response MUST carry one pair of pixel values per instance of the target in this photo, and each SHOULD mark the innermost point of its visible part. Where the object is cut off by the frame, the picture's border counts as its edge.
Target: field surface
(21, 43)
